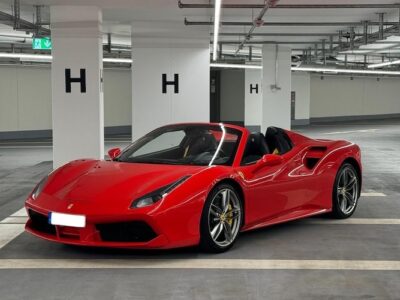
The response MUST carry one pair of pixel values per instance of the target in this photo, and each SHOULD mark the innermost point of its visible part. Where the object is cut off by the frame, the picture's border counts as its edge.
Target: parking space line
(20, 213)
(353, 221)
(12, 226)
(373, 194)
(8, 232)
(14, 220)
(352, 131)
(233, 264)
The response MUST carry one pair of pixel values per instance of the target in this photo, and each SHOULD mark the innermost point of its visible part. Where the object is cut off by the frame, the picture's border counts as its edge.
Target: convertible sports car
(195, 184)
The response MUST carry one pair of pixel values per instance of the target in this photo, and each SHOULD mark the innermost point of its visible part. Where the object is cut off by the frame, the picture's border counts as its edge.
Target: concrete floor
(372, 236)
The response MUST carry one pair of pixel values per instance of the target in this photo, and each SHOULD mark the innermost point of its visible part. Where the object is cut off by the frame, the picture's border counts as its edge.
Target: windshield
(185, 145)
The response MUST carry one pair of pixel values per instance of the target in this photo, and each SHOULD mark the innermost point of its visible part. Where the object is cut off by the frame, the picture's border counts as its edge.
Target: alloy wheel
(347, 190)
(224, 217)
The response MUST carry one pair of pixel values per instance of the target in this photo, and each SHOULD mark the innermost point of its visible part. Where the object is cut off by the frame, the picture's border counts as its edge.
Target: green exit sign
(41, 43)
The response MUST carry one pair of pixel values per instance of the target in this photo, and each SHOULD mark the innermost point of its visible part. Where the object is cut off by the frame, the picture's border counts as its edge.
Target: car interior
(275, 141)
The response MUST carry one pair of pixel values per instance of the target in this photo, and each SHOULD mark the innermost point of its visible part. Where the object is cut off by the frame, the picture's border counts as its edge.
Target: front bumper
(99, 232)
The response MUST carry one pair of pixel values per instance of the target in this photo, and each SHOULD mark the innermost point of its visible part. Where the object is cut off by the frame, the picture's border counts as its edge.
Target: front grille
(133, 231)
(40, 223)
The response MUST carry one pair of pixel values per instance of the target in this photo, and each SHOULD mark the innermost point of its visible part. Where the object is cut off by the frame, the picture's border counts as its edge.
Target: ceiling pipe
(38, 19)
(294, 6)
(283, 24)
(365, 32)
(398, 26)
(293, 42)
(282, 34)
(381, 23)
(257, 22)
(17, 13)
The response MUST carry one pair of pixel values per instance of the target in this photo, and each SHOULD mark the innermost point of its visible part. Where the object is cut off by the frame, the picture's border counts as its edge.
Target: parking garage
(79, 80)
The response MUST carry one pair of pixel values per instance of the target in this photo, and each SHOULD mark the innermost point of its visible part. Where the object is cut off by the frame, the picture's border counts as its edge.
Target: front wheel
(346, 192)
(221, 219)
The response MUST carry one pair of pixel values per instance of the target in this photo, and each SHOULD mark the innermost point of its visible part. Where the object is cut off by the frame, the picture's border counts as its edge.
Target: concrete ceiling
(119, 14)
(150, 18)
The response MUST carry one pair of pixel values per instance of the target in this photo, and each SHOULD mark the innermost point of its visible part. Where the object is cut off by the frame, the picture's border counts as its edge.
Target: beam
(294, 6)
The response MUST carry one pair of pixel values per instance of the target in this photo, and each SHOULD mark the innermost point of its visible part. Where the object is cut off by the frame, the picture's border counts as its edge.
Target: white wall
(340, 96)
(25, 98)
(117, 97)
(232, 95)
(253, 100)
(301, 85)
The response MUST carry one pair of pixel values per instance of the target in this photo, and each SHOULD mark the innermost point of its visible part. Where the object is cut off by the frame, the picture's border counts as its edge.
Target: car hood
(89, 182)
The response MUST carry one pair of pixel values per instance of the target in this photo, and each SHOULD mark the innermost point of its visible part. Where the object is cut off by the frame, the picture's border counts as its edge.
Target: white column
(276, 62)
(78, 121)
(253, 99)
(170, 79)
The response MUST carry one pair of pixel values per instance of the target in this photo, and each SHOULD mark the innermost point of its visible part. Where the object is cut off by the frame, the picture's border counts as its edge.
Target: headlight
(157, 195)
(38, 189)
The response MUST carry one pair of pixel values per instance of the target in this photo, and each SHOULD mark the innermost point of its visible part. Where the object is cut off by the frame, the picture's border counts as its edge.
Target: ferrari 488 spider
(195, 184)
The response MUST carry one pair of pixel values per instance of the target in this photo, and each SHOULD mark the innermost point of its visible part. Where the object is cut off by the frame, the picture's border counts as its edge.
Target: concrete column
(170, 78)
(276, 86)
(77, 91)
(253, 99)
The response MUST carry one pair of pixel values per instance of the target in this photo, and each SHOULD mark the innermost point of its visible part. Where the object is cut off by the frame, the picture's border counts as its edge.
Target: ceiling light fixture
(26, 56)
(310, 69)
(345, 71)
(235, 66)
(49, 58)
(384, 64)
(217, 17)
(117, 60)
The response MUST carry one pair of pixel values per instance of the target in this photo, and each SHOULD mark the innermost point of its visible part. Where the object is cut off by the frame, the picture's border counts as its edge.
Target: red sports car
(195, 184)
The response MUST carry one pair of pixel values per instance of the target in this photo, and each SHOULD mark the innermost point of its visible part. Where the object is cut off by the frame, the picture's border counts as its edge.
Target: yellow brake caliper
(229, 215)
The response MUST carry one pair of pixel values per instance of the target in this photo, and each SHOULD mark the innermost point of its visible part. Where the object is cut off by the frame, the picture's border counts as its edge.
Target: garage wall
(25, 98)
(117, 98)
(232, 95)
(301, 86)
(339, 96)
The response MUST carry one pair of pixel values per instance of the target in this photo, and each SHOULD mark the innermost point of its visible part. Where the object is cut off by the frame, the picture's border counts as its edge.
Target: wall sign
(254, 88)
(41, 43)
(81, 79)
(174, 82)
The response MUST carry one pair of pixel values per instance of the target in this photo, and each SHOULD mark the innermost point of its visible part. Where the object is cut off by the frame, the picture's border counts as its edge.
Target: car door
(271, 192)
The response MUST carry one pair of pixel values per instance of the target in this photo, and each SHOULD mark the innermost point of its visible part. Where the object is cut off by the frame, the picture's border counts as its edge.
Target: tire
(346, 192)
(221, 219)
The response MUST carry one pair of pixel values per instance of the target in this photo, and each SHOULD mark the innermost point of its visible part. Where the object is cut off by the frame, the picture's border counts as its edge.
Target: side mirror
(269, 160)
(114, 152)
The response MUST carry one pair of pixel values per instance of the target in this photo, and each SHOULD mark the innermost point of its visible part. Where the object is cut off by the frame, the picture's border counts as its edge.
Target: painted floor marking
(352, 131)
(12, 226)
(353, 221)
(233, 264)
(8, 232)
(373, 194)
(20, 213)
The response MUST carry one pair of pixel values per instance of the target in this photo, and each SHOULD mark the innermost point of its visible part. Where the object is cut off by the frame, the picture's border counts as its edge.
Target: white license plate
(67, 220)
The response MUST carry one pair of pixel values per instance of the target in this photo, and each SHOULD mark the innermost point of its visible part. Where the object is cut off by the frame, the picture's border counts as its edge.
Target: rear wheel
(221, 219)
(346, 192)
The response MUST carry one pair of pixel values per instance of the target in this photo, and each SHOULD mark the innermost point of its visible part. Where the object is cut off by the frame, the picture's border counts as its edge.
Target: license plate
(67, 220)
